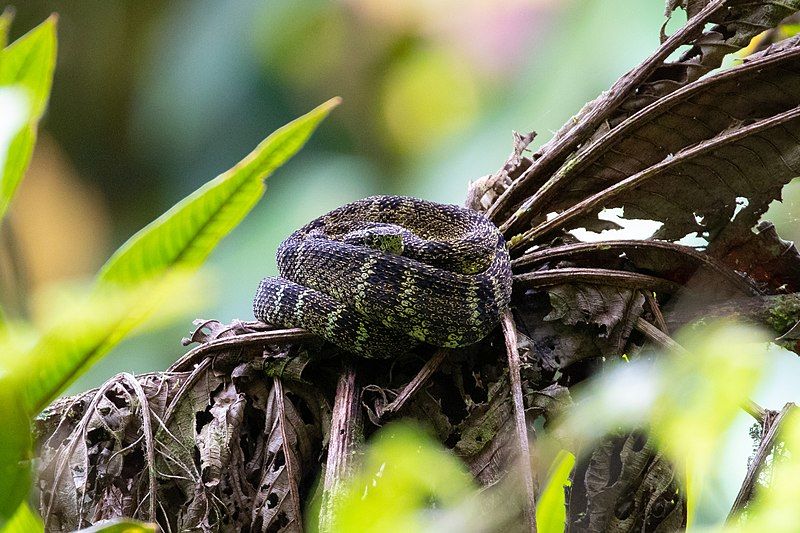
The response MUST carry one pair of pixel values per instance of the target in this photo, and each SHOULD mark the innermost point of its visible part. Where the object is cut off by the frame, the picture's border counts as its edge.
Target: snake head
(390, 243)
(386, 238)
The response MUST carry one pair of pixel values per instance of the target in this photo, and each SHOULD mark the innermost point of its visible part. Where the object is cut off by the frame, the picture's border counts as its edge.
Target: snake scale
(377, 276)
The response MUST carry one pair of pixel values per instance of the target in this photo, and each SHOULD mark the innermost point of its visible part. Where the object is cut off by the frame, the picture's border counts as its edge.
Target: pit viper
(380, 275)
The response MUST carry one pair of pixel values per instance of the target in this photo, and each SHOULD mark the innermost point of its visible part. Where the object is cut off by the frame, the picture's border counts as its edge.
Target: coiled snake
(379, 275)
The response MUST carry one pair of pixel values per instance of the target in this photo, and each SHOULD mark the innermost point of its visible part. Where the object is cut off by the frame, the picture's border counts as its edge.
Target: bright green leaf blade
(186, 234)
(551, 511)
(15, 448)
(25, 520)
(27, 63)
(34, 371)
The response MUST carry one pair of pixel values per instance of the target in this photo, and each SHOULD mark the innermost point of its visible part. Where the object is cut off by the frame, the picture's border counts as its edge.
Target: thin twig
(658, 336)
(428, 369)
(771, 428)
(278, 336)
(510, 334)
(346, 432)
(633, 246)
(605, 276)
(656, 310)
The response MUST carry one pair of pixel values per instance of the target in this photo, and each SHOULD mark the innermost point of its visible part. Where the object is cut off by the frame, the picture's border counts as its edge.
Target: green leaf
(15, 449)
(406, 481)
(186, 234)
(25, 520)
(27, 63)
(149, 273)
(551, 511)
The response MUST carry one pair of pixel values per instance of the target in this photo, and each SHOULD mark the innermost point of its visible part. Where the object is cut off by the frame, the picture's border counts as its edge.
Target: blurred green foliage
(408, 482)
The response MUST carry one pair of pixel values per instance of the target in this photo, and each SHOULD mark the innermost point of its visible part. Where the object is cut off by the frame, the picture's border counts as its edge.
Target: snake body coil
(378, 275)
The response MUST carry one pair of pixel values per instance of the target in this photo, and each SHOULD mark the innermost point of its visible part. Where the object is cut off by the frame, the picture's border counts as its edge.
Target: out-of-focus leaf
(120, 525)
(185, 235)
(15, 112)
(15, 449)
(80, 337)
(27, 63)
(705, 390)
(25, 520)
(405, 480)
(550, 509)
(688, 401)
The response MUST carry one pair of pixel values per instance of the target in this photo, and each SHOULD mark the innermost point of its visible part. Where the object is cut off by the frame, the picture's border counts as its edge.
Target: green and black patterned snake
(377, 276)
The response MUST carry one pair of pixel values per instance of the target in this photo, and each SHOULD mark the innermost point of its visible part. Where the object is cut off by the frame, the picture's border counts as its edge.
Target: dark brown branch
(604, 276)
(771, 428)
(652, 303)
(777, 312)
(514, 367)
(346, 434)
(601, 198)
(621, 246)
(422, 377)
(277, 336)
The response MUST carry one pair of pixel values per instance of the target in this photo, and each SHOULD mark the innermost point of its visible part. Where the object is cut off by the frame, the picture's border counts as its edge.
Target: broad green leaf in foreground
(145, 275)
(403, 473)
(25, 520)
(14, 110)
(28, 64)
(80, 337)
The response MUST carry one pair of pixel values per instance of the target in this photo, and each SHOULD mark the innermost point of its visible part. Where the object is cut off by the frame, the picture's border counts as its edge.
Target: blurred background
(153, 98)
